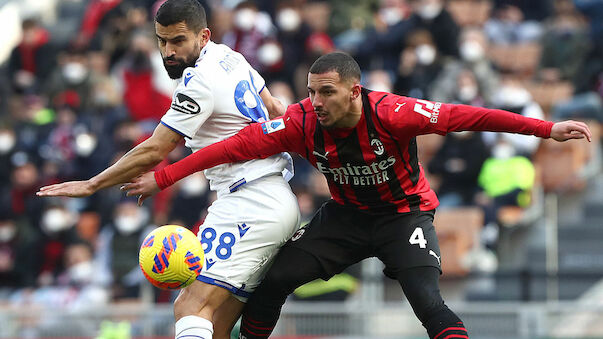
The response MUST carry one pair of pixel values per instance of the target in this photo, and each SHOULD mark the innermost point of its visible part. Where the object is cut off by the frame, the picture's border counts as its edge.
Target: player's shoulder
(389, 103)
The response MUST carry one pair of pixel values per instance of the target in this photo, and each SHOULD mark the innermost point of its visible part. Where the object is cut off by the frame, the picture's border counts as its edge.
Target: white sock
(193, 327)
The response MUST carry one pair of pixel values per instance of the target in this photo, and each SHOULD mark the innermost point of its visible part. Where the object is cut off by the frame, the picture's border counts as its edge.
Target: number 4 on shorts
(417, 238)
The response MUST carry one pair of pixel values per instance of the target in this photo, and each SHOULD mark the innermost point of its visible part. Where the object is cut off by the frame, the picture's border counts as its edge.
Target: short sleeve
(257, 81)
(192, 104)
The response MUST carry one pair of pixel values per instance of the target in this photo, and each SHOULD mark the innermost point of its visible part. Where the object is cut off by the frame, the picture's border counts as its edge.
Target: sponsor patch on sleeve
(273, 125)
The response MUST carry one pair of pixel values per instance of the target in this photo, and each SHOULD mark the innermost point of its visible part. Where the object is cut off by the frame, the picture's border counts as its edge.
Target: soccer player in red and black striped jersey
(364, 142)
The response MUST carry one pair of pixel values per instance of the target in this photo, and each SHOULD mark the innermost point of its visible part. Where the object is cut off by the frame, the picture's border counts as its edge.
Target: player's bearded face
(175, 66)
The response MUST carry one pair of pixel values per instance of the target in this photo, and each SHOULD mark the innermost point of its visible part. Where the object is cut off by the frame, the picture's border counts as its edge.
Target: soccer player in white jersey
(219, 93)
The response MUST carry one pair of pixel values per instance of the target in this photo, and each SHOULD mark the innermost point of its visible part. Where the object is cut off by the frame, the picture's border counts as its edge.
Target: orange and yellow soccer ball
(171, 257)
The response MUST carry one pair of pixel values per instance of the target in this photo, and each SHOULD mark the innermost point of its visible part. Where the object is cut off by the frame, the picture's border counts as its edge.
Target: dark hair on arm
(342, 63)
(188, 11)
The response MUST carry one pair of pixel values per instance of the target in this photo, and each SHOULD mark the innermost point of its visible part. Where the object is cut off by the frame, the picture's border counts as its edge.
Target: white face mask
(471, 51)
(391, 15)
(503, 151)
(269, 54)
(425, 54)
(467, 93)
(288, 19)
(7, 142)
(74, 72)
(55, 220)
(85, 143)
(512, 96)
(81, 273)
(244, 19)
(7, 232)
(429, 11)
(193, 185)
(379, 86)
(130, 223)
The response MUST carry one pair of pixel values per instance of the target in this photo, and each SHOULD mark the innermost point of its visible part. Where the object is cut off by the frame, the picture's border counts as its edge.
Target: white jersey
(213, 101)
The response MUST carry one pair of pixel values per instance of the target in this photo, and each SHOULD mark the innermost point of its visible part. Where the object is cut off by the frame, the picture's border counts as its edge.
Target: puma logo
(431, 252)
(399, 106)
(321, 155)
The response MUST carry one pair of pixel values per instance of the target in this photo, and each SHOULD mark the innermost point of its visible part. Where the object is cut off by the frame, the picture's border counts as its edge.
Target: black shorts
(339, 236)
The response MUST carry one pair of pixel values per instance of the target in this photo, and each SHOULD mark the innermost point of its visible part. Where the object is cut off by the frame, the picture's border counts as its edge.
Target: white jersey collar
(204, 51)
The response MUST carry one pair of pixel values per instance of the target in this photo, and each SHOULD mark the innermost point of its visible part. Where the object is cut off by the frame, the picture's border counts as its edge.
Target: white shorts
(244, 230)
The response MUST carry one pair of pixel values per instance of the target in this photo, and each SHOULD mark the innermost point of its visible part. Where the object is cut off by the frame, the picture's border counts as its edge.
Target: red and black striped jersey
(372, 166)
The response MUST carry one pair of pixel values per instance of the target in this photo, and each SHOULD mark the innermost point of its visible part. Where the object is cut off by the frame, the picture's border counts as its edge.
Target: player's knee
(188, 304)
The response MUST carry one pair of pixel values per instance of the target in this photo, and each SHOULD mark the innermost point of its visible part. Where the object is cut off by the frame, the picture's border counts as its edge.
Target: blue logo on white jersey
(209, 262)
(187, 78)
(243, 228)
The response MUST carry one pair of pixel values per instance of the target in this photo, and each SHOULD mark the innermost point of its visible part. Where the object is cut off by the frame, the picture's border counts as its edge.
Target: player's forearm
(139, 160)
(469, 118)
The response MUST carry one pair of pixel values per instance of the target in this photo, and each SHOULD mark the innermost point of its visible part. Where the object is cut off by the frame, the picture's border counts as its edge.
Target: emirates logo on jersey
(377, 146)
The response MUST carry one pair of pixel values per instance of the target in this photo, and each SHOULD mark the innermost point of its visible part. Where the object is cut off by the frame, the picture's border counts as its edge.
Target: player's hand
(76, 189)
(143, 186)
(570, 129)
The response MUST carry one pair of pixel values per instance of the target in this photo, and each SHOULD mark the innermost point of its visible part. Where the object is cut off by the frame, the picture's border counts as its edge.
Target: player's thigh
(200, 299)
(336, 237)
(226, 316)
(243, 231)
(407, 240)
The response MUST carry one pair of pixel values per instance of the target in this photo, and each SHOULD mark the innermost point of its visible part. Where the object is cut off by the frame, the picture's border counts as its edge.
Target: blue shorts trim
(229, 287)
(175, 130)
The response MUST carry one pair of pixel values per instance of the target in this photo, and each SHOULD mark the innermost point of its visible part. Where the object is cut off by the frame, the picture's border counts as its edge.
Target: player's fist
(570, 129)
(143, 186)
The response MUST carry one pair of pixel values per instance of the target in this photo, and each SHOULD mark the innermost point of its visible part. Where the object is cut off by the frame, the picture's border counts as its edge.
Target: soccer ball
(171, 257)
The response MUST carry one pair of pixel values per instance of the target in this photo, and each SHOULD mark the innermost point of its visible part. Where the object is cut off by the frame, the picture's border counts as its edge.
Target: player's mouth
(322, 116)
(171, 62)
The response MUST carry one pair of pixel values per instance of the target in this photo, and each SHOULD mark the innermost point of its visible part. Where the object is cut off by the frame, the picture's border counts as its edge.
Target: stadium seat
(458, 233)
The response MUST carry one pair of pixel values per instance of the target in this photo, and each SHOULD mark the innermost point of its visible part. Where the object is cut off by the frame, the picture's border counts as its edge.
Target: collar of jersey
(204, 51)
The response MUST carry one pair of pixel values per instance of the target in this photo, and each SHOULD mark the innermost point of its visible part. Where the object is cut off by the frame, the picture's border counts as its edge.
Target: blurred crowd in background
(83, 82)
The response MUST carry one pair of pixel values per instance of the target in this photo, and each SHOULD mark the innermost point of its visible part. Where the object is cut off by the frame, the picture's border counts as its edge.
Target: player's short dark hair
(188, 11)
(342, 63)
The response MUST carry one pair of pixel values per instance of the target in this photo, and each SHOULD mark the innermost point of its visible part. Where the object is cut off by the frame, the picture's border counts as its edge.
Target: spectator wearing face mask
(473, 47)
(57, 234)
(512, 96)
(118, 246)
(508, 26)
(431, 15)
(254, 35)
(420, 64)
(70, 83)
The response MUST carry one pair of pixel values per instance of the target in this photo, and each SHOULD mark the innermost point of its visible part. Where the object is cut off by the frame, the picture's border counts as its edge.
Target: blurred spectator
(507, 26)
(512, 96)
(283, 92)
(190, 201)
(136, 72)
(447, 86)
(118, 245)
(354, 15)
(17, 252)
(70, 83)
(379, 46)
(379, 81)
(32, 60)
(254, 35)
(58, 233)
(432, 16)
(507, 180)
(420, 65)
(564, 44)
(292, 34)
(457, 164)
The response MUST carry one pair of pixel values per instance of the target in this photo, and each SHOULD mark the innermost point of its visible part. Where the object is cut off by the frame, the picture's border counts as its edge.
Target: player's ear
(205, 35)
(355, 92)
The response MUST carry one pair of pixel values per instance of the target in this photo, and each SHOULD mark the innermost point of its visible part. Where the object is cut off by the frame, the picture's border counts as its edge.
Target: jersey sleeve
(256, 141)
(257, 81)
(411, 117)
(192, 104)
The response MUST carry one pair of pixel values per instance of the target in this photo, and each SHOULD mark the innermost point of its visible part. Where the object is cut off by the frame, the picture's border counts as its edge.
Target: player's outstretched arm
(566, 130)
(138, 160)
(273, 105)
(143, 186)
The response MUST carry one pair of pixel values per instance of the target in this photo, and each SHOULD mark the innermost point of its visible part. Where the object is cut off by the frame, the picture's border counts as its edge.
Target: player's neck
(353, 116)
